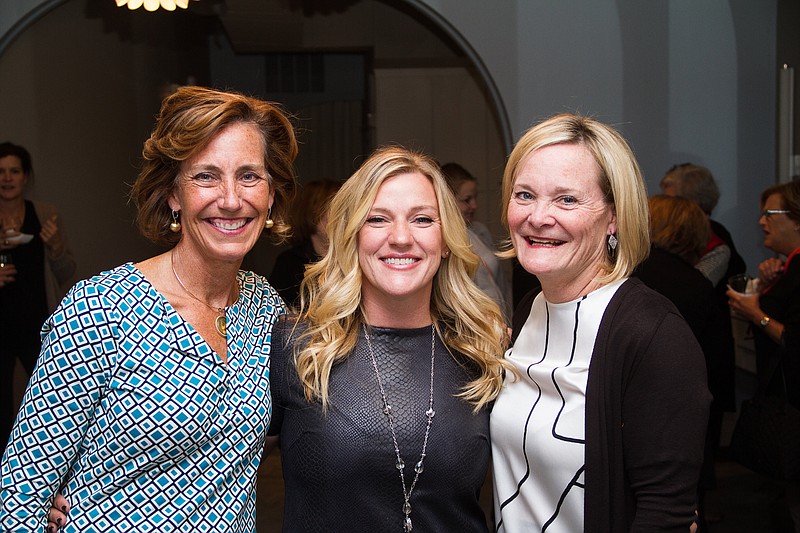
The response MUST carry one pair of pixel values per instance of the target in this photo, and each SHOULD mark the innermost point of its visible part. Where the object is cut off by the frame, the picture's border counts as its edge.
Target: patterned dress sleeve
(78, 347)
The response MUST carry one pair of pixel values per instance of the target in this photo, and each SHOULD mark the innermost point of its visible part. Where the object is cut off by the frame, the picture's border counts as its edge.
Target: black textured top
(339, 466)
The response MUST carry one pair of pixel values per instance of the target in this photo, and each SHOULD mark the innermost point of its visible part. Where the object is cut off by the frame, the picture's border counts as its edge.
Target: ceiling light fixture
(152, 5)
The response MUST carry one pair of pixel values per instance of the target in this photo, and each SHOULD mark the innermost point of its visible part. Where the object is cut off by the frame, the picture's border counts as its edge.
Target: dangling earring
(612, 246)
(269, 223)
(175, 226)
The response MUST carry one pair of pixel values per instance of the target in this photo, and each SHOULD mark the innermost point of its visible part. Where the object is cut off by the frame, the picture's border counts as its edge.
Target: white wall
(683, 80)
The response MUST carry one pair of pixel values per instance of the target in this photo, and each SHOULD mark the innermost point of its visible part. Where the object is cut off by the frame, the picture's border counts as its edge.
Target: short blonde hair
(620, 181)
(469, 322)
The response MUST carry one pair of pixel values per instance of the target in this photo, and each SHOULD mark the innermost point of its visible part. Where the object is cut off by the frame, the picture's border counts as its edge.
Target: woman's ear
(173, 203)
(612, 224)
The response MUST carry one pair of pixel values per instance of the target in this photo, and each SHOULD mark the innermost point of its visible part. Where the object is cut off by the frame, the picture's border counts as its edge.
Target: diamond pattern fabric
(136, 420)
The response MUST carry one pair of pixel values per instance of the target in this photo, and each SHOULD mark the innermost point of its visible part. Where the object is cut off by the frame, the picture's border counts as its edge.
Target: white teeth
(545, 243)
(399, 260)
(233, 225)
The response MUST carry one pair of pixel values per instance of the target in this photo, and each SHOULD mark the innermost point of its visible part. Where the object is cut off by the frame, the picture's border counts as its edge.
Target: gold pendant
(221, 326)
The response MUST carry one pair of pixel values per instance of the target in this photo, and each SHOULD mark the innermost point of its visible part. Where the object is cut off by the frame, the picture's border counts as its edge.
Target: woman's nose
(400, 233)
(230, 196)
(539, 214)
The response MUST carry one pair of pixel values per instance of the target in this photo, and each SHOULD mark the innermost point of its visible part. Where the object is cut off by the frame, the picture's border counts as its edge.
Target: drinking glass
(743, 284)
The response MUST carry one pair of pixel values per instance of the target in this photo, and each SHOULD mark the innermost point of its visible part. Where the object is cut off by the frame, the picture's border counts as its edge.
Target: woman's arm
(747, 305)
(59, 255)
(56, 412)
(665, 413)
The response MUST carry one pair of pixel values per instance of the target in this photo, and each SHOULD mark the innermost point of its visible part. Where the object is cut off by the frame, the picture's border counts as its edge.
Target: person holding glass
(150, 401)
(35, 267)
(602, 429)
(774, 310)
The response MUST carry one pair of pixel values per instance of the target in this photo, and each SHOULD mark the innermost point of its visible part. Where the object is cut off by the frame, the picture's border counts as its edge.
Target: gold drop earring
(175, 226)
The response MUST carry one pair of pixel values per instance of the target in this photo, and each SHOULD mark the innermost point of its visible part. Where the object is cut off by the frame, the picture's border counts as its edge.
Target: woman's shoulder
(258, 288)
(284, 335)
(287, 329)
(637, 313)
(635, 296)
(122, 279)
(122, 288)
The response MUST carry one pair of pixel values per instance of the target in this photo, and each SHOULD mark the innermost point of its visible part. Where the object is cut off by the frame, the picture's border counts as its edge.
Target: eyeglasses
(766, 213)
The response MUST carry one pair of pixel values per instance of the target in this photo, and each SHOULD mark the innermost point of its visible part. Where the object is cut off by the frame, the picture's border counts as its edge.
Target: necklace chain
(220, 323)
(387, 410)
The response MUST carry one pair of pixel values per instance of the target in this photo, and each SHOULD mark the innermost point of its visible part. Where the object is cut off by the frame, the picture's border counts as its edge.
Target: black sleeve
(280, 365)
(521, 313)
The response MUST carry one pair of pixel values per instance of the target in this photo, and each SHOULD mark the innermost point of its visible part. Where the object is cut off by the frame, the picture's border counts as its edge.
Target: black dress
(339, 466)
(782, 303)
(287, 274)
(23, 310)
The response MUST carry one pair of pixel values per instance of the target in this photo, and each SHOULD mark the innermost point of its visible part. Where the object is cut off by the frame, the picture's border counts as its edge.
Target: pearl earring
(175, 226)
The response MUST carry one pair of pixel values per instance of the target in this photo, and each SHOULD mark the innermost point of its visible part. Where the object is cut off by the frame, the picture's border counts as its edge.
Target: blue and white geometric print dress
(136, 420)
(538, 421)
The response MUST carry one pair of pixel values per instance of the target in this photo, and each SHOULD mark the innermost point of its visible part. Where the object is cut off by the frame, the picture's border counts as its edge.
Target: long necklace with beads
(220, 323)
(387, 410)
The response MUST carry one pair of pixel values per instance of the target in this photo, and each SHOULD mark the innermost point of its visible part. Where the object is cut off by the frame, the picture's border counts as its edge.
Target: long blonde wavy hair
(331, 307)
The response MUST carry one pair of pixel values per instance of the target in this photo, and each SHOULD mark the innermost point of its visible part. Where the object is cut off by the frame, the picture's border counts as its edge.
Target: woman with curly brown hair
(150, 401)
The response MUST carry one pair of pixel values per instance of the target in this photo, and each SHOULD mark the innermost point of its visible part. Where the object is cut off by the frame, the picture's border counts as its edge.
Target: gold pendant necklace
(220, 323)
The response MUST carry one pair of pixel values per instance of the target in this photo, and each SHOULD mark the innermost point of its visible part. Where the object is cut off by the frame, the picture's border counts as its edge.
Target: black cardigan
(646, 414)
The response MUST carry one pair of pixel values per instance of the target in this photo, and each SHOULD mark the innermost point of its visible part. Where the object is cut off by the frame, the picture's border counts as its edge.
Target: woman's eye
(205, 179)
(523, 196)
(568, 200)
(423, 220)
(375, 220)
(250, 178)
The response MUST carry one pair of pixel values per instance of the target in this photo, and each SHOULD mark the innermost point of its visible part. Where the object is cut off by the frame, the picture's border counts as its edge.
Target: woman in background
(679, 231)
(309, 238)
(36, 266)
(150, 401)
(603, 429)
(775, 310)
(490, 276)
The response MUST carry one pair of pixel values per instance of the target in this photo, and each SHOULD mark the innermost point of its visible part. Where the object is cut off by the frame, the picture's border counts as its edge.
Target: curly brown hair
(189, 119)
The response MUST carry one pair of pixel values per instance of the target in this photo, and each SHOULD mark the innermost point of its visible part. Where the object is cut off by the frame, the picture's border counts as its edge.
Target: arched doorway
(85, 80)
